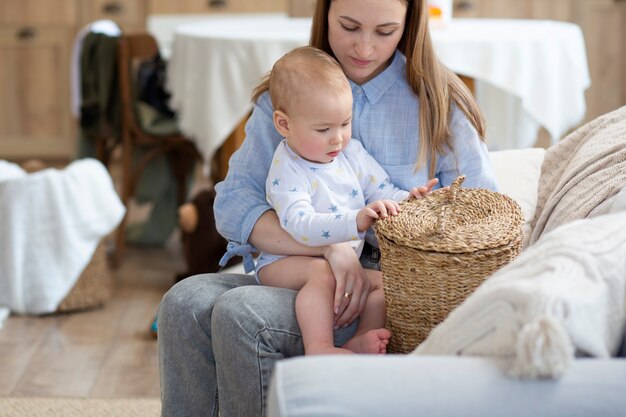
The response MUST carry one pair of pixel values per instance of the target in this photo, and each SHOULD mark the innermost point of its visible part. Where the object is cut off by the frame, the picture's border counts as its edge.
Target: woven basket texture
(437, 250)
(94, 286)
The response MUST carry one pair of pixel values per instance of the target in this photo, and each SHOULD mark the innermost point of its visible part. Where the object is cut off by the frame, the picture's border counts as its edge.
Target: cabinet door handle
(113, 7)
(464, 6)
(26, 33)
(217, 3)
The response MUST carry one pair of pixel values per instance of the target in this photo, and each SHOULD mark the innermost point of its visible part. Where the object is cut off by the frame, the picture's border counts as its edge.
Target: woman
(219, 334)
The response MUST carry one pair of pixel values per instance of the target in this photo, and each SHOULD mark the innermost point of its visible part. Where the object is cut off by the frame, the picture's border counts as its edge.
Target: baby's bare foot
(372, 341)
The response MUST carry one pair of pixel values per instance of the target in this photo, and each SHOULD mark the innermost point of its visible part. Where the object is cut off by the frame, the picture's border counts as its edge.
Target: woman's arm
(470, 156)
(240, 198)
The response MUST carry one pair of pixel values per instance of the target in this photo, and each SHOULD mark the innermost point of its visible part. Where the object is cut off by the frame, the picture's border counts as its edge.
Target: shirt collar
(379, 85)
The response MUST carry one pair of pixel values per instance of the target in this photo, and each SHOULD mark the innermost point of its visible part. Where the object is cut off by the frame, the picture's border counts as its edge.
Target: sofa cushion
(565, 291)
(517, 172)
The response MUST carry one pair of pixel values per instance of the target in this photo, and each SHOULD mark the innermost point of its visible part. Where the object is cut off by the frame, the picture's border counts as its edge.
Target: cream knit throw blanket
(580, 172)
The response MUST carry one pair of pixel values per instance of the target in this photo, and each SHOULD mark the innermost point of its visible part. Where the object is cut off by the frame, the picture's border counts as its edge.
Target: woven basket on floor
(94, 286)
(437, 250)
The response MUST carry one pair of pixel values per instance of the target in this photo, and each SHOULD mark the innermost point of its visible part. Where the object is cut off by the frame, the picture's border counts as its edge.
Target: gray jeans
(219, 338)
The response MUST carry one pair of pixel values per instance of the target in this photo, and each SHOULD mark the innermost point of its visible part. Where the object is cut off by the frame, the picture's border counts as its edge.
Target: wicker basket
(437, 251)
(94, 286)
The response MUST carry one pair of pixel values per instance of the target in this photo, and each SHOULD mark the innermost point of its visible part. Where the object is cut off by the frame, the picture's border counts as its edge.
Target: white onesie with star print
(318, 203)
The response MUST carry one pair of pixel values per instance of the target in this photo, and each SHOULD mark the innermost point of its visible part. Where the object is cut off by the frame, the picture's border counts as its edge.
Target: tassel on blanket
(543, 350)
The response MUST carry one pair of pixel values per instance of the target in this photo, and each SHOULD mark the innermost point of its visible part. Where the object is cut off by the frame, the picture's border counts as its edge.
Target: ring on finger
(347, 295)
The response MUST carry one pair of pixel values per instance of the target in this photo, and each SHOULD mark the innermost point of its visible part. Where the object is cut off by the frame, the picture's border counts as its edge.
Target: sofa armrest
(437, 386)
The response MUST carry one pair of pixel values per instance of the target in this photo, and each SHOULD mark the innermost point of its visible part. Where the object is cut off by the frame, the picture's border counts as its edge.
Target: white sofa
(441, 386)
(477, 380)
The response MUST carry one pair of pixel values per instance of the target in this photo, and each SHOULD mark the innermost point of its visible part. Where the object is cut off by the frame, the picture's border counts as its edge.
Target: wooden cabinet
(34, 92)
(36, 41)
(216, 6)
(552, 9)
(514, 9)
(130, 15)
(38, 12)
(604, 26)
(35, 44)
(301, 8)
(603, 23)
(261, 6)
(192, 6)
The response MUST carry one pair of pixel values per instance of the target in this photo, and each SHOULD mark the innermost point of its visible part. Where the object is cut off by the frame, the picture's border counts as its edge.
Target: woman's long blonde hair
(436, 86)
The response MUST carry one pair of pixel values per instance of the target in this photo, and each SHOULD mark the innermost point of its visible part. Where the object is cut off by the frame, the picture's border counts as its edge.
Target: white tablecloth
(216, 63)
(531, 73)
(528, 73)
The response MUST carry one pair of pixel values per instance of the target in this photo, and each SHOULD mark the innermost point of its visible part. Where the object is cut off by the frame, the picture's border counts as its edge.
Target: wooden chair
(181, 153)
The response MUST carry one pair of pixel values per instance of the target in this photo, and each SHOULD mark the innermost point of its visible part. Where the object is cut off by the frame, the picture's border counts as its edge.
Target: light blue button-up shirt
(385, 120)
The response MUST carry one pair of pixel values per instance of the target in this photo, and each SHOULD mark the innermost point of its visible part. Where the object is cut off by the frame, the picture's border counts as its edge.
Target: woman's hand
(352, 288)
(379, 209)
(424, 190)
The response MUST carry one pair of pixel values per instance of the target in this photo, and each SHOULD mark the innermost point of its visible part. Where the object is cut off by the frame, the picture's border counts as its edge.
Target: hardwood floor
(103, 353)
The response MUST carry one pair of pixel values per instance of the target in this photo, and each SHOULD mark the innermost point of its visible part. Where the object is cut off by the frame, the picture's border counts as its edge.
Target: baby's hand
(424, 190)
(379, 209)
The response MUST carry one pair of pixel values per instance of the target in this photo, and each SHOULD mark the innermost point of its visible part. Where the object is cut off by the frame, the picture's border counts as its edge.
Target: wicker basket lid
(455, 220)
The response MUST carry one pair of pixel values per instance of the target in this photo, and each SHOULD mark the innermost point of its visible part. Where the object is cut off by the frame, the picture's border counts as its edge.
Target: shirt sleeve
(240, 198)
(289, 192)
(469, 157)
(374, 180)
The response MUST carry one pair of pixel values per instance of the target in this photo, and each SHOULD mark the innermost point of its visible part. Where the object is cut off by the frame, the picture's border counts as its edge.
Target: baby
(325, 189)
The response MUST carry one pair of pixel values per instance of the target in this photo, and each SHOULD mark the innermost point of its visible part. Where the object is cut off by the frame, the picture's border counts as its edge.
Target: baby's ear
(281, 123)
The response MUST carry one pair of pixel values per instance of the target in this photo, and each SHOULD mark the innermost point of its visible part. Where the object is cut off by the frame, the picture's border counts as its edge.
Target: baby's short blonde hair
(299, 72)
